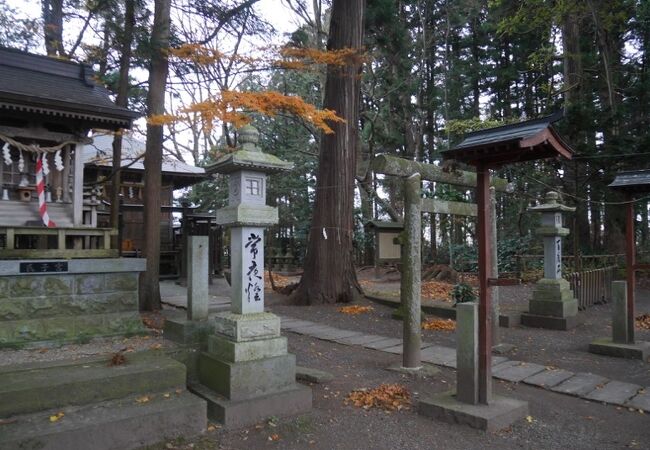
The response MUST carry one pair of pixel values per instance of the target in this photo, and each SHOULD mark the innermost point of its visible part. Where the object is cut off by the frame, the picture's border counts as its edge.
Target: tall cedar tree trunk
(149, 285)
(329, 274)
(122, 100)
(52, 11)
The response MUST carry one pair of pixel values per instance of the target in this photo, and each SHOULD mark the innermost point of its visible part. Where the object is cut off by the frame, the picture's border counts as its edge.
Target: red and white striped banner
(40, 189)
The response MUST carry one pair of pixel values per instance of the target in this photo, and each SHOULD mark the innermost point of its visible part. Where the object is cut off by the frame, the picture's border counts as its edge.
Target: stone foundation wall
(93, 298)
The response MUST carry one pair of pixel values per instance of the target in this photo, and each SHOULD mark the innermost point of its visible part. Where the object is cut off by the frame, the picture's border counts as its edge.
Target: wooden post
(411, 272)
(630, 261)
(485, 269)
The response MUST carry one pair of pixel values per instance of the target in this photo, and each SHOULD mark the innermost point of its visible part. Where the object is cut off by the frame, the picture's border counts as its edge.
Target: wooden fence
(50, 243)
(592, 286)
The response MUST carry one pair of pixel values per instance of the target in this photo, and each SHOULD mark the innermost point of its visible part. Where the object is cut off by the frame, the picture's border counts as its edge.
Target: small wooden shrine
(60, 279)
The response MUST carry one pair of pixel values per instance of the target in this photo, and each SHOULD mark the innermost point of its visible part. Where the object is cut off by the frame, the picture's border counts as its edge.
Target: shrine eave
(632, 181)
(524, 141)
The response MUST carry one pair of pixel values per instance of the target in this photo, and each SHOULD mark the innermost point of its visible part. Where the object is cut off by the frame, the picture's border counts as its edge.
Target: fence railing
(592, 286)
(49, 243)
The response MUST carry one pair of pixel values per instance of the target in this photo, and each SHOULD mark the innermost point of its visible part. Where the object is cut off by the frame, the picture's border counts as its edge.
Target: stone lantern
(247, 363)
(553, 304)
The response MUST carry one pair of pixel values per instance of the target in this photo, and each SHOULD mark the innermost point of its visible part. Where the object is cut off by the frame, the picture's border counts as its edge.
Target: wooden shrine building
(59, 277)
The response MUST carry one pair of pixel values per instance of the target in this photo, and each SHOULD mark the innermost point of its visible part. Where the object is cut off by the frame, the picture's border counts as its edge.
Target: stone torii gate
(412, 173)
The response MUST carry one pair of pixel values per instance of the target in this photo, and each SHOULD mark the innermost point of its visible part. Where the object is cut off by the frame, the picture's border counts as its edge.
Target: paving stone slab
(386, 343)
(312, 375)
(360, 340)
(326, 333)
(496, 360)
(341, 334)
(441, 356)
(311, 330)
(299, 328)
(641, 400)
(293, 323)
(399, 349)
(496, 366)
(517, 372)
(614, 392)
(580, 384)
(549, 378)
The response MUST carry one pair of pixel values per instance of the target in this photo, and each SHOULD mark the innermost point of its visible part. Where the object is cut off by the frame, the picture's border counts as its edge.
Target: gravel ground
(564, 349)
(557, 421)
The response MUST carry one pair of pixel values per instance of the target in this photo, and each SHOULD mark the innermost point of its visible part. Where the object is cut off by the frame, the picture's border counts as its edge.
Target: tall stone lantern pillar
(247, 375)
(553, 304)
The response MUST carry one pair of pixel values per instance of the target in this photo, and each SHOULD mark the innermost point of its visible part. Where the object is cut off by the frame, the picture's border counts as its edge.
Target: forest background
(432, 71)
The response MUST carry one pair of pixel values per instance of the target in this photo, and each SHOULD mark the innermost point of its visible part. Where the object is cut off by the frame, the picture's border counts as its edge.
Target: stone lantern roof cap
(551, 204)
(249, 157)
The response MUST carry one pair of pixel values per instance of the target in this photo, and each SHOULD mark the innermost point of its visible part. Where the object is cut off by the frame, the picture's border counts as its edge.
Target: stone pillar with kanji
(246, 374)
(553, 304)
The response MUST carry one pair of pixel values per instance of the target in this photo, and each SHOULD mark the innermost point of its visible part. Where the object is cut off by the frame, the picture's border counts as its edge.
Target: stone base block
(247, 379)
(228, 350)
(247, 327)
(638, 350)
(509, 320)
(187, 332)
(499, 414)
(555, 308)
(294, 399)
(549, 322)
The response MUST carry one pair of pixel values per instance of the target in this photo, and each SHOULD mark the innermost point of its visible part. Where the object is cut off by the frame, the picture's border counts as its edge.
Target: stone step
(123, 424)
(43, 386)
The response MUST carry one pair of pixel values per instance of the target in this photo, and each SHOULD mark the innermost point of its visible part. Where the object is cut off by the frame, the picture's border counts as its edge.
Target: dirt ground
(555, 421)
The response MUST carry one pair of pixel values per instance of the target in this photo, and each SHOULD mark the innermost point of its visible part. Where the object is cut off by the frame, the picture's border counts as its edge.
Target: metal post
(485, 269)
(411, 271)
(630, 260)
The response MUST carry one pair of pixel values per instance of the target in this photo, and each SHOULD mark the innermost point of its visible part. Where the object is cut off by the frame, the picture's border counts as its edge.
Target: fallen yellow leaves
(274, 437)
(439, 324)
(389, 397)
(278, 280)
(143, 399)
(437, 290)
(355, 309)
(643, 321)
(56, 417)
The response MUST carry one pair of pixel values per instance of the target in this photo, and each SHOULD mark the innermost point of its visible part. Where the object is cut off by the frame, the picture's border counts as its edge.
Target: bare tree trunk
(329, 274)
(122, 100)
(53, 26)
(149, 286)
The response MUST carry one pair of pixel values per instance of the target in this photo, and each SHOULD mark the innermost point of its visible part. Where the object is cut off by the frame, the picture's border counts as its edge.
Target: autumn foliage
(232, 106)
(353, 310)
(389, 397)
(643, 321)
(439, 324)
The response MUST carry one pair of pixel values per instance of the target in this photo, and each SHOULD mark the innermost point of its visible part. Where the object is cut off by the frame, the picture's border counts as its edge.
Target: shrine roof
(42, 85)
(100, 153)
(632, 181)
(384, 225)
(523, 141)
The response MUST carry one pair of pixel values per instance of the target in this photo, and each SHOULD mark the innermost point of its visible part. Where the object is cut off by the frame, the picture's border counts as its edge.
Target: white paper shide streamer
(58, 161)
(6, 154)
(21, 162)
(46, 168)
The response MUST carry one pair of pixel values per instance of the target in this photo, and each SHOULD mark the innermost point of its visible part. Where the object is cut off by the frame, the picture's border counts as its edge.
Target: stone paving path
(584, 385)
(175, 295)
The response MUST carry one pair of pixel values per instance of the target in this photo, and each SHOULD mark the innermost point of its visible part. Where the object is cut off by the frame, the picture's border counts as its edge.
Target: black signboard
(44, 267)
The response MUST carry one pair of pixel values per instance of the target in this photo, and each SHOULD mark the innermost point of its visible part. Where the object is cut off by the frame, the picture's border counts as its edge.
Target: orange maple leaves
(232, 106)
(389, 397)
(439, 324)
(643, 321)
(355, 309)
